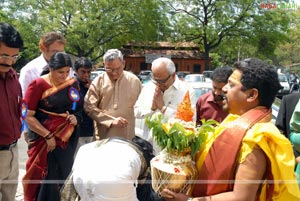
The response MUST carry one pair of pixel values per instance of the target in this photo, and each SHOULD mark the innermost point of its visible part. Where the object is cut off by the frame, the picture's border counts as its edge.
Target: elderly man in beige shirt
(111, 98)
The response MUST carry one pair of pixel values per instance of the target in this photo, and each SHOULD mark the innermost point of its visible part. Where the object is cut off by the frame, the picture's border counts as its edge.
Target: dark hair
(221, 74)
(144, 190)
(145, 147)
(10, 36)
(82, 62)
(261, 76)
(60, 60)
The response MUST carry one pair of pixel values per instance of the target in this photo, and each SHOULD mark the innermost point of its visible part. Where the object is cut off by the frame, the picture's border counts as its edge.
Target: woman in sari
(52, 118)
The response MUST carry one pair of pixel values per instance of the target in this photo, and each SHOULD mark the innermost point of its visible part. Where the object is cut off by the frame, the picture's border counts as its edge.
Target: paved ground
(22, 146)
(19, 195)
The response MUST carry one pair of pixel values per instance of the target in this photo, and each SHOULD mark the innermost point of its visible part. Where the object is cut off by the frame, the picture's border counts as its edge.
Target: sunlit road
(22, 145)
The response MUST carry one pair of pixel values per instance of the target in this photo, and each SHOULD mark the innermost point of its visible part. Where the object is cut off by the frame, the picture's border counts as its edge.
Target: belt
(8, 147)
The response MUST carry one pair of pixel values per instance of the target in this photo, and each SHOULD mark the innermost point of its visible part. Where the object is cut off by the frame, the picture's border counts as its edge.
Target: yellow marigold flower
(166, 127)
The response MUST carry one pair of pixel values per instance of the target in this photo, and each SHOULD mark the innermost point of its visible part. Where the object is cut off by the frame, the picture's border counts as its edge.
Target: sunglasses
(163, 81)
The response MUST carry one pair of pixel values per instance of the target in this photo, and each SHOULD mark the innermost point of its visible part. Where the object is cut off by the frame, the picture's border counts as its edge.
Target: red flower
(176, 170)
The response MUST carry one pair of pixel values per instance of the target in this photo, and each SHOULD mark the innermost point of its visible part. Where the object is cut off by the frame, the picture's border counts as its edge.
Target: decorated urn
(179, 138)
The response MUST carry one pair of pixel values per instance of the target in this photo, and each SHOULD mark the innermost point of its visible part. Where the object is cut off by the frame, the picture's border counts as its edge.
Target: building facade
(186, 56)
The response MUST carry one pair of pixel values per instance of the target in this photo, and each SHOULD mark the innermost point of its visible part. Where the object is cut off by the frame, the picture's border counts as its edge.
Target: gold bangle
(163, 109)
(49, 136)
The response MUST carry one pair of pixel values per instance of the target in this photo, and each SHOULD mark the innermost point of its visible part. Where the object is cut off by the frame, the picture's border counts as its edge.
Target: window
(197, 68)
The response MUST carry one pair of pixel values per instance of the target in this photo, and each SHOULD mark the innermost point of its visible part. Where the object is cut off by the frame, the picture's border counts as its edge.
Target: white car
(207, 73)
(201, 90)
(200, 83)
(145, 75)
(285, 85)
(95, 73)
(197, 81)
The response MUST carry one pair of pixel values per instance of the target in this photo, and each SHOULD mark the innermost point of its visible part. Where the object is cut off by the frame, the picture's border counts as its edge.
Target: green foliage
(155, 122)
(92, 26)
(208, 23)
(29, 36)
(268, 31)
(216, 61)
(288, 51)
(175, 137)
(231, 29)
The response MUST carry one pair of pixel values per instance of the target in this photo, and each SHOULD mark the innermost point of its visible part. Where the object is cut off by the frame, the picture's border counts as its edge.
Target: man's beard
(84, 81)
(218, 98)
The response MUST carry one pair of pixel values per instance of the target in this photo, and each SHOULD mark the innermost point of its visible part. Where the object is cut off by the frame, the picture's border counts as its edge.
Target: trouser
(9, 172)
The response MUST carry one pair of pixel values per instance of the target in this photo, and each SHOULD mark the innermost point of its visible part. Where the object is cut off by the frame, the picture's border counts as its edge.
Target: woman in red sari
(53, 114)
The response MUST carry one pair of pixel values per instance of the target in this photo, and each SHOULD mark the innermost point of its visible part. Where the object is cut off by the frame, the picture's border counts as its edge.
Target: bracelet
(163, 109)
(49, 136)
(189, 199)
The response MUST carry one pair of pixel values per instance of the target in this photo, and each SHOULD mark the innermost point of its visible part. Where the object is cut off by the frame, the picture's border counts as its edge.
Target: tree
(93, 26)
(25, 28)
(288, 52)
(269, 30)
(209, 23)
(263, 34)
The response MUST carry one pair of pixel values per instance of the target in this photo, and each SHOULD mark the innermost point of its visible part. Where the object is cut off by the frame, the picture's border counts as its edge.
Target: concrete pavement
(22, 146)
(19, 194)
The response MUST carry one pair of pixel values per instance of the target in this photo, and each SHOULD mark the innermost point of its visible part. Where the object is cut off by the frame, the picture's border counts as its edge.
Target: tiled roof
(176, 50)
(163, 44)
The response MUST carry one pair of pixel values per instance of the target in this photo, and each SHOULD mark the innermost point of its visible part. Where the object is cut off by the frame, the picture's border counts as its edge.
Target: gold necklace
(51, 82)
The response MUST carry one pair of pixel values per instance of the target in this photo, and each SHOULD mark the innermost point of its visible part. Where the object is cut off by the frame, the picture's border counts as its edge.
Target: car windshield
(182, 74)
(94, 74)
(207, 73)
(145, 72)
(194, 78)
(282, 78)
(200, 91)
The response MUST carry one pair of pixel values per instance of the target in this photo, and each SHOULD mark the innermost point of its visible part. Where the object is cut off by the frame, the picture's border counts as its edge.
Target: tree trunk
(206, 59)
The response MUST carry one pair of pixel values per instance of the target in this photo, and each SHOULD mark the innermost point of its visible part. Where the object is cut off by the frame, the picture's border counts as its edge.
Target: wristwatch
(163, 109)
(189, 199)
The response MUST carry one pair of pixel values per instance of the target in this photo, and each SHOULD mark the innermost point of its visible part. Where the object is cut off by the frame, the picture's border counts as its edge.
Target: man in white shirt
(49, 44)
(163, 94)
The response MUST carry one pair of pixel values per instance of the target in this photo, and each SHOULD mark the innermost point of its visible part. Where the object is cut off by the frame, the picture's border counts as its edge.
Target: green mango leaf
(179, 138)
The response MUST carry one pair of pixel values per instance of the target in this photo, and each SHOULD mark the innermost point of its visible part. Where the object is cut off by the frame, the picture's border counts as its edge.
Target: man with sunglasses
(111, 98)
(10, 111)
(163, 95)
